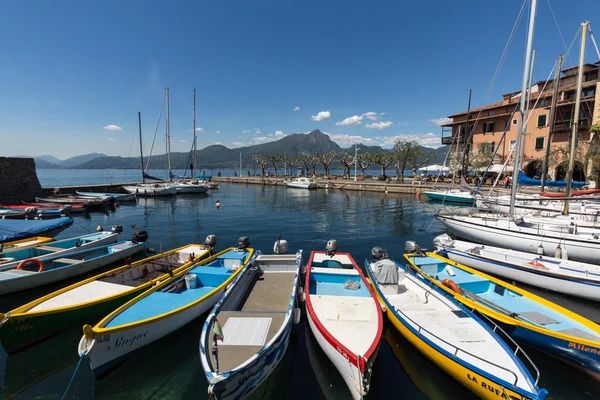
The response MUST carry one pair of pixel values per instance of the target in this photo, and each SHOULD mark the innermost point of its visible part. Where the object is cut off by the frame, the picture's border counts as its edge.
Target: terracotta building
(490, 121)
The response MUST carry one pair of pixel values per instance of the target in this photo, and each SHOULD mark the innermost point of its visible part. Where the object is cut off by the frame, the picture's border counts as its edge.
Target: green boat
(452, 196)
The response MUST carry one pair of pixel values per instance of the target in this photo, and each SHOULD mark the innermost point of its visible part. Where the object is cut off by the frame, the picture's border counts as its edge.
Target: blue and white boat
(115, 196)
(526, 317)
(58, 267)
(450, 195)
(256, 314)
(162, 309)
(40, 253)
(15, 229)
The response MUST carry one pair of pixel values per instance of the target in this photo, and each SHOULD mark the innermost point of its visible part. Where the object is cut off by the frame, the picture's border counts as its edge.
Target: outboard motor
(378, 253)
(280, 247)
(243, 243)
(140, 237)
(30, 210)
(331, 247)
(210, 242)
(412, 247)
(116, 229)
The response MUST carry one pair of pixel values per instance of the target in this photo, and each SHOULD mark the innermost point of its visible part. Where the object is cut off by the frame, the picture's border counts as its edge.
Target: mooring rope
(74, 373)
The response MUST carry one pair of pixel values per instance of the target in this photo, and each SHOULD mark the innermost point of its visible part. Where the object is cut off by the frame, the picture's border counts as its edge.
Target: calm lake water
(170, 368)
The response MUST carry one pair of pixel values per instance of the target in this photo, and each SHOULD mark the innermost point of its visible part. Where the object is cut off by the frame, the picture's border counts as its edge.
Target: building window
(539, 143)
(589, 92)
(592, 76)
(513, 143)
(514, 121)
(571, 96)
(488, 127)
(490, 114)
(541, 121)
(545, 102)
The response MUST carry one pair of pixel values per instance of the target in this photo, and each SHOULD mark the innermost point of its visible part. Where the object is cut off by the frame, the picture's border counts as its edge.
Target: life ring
(452, 285)
(536, 263)
(31, 260)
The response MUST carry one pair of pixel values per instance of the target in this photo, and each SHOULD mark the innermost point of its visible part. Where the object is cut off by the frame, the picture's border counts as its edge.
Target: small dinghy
(116, 196)
(32, 272)
(67, 208)
(343, 315)
(94, 297)
(526, 317)
(253, 320)
(449, 334)
(564, 276)
(42, 252)
(163, 309)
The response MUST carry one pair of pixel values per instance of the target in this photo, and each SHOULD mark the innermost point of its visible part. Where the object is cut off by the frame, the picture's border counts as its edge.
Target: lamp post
(355, 159)
(240, 164)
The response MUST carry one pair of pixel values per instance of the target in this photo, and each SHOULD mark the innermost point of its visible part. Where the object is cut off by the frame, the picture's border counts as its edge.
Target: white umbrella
(435, 167)
(497, 168)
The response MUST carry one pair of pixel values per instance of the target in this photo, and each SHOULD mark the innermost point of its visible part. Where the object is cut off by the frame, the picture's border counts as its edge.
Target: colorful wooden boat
(343, 315)
(16, 229)
(256, 314)
(43, 252)
(23, 243)
(526, 317)
(564, 276)
(450, 335)
(63, 266)
(117, 196)
(71, 208)
(161, 310)
(92, 298)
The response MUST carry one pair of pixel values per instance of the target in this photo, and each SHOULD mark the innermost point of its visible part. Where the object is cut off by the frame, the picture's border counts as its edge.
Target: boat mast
(528, 110)
(584, 29)
(168, 138)
(467, 136)
(141, 148)
(194, 167)
(522, 100)
(559, 63)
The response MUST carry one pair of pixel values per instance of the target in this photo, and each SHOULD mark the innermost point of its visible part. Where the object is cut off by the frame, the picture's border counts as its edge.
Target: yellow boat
(21, 244)
(528, 318)
(451, 336)
(94, 297)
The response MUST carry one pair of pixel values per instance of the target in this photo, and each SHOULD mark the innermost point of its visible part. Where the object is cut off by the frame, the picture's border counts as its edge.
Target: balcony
(567, 124)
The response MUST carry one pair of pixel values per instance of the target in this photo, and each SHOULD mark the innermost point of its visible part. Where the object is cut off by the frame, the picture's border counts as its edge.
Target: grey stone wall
(18, 179)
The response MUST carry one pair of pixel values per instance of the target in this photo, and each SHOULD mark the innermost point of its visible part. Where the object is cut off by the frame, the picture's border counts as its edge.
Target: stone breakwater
(18, 179)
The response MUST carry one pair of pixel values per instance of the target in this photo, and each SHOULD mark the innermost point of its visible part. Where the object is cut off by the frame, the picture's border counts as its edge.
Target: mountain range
(218, 156)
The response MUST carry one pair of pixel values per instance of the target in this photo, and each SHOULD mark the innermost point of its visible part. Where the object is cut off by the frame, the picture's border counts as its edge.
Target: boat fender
(86, 343)
(303, 297)
(558, 252)
(540, 250)
(564, 255)
(452, 285)
(300, 290)
(29, 261)
(99, 228)
(297, 315)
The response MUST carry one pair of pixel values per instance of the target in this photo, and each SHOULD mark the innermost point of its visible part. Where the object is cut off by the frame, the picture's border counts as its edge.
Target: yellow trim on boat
(99, 330)
(8, 246)
(507, 319)
(472, 380)
(24, 309)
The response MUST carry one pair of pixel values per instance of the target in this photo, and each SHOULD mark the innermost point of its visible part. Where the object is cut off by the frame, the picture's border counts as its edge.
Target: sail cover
(527, 181)
(148, 176)
(15, 229)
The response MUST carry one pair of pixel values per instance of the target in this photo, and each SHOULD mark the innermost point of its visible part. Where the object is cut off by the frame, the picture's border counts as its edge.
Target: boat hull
(149, 191)
(116, 196)
(110, 350)
(54, 275)
(570, 286)
(447, 197)
(301, 185)
(190, 189)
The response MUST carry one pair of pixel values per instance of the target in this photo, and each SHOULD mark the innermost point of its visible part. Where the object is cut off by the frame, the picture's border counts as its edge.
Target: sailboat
(148, 189)
(549, 235)
(185, 186)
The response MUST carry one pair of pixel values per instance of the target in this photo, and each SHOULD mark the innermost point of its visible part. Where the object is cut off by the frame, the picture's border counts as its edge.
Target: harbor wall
(18, 179)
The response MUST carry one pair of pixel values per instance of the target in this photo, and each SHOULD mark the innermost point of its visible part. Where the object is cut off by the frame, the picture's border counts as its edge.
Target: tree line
(404, 155)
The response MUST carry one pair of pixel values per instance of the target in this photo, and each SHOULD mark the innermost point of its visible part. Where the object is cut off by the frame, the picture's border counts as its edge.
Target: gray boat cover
(385, 272)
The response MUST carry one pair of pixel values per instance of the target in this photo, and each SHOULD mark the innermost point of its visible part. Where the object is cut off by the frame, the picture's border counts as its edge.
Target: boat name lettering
(122, 342)
(578, 346)
(342, 352)
(21, 327)
(101, 339)
(486, 385)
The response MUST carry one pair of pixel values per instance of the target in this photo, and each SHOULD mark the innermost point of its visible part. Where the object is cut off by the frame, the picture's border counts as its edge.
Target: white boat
(344, 316)
(563, 276)
(190, 186)
(116, 196)
(64, 266)
(302, 183)
(256, 314)
(166, 307)
(582, 244)
(151, 189)
(451, 195)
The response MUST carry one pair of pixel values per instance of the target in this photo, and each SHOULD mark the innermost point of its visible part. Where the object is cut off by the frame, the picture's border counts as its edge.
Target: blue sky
(71, 70)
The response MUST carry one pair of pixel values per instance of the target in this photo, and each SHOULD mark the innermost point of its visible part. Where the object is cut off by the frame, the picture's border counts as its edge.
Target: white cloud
(246, 131)
(348, 140)
(257, 131)
(183, 141)
(218, 132)
(296, 108)
(279, 135)
(234, 145)
(441, 121)
(113, 127)
(261, 139)
(111, 138)
(424, 139)
(372, 115)
(322, 115)
(353, 120)
(380, 125)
